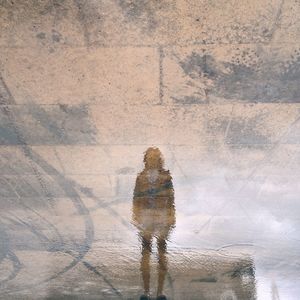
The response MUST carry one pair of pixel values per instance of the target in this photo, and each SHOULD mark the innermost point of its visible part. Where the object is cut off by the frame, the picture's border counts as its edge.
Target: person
(154, 216)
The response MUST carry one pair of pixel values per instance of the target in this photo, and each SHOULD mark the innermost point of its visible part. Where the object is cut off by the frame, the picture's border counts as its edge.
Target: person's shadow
(154, 216)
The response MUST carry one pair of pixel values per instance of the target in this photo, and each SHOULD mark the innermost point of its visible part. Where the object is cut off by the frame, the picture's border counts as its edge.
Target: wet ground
(149, 147)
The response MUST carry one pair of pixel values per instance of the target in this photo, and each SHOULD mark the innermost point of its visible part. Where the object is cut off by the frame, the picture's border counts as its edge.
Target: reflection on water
(154, 215)
(111, 269)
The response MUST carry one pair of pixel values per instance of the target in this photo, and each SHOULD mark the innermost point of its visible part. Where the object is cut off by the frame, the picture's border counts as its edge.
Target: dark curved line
(43, 238)
(94, 270)
(65, 185)
(106, 206)
(49, 169)
(61, 242)
(82, 209)
(79, 205)
(31, 228)
(39, 215)
(69, 190)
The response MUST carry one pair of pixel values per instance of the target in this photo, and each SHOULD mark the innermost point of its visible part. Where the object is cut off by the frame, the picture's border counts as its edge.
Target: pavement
(86, 87)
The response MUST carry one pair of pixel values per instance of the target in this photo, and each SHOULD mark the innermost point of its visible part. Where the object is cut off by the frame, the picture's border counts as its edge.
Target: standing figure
(154, 216)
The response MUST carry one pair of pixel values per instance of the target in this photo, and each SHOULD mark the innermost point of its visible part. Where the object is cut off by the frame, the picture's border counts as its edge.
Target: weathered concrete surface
(87, 86)
(142, 23)
(243, 73)
(80, 75)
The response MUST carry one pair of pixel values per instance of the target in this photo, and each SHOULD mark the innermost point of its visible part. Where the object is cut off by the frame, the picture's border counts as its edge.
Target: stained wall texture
(86, 86)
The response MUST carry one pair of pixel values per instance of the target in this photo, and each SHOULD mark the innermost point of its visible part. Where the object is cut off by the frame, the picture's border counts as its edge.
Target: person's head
(153, 159)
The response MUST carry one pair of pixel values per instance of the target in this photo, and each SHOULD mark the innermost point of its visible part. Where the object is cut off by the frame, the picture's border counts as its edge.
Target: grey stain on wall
(239, 131)
(48, 125)
(244, 132)
(247, 77)
(145, 13)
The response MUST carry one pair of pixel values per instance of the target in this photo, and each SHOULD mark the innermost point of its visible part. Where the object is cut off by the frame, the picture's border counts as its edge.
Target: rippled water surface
(207, 237)
(149, 149)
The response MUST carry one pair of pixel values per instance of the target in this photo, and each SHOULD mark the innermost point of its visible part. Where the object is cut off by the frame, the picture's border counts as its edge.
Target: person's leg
(162, 263)
(145, 261)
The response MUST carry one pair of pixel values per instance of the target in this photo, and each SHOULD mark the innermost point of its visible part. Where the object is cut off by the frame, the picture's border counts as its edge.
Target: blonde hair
(153, 159)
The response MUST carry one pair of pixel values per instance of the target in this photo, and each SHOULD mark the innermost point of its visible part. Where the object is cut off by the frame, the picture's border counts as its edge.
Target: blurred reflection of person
(154, 216)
